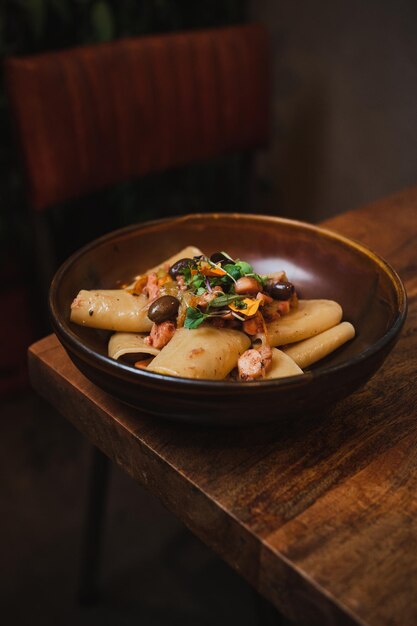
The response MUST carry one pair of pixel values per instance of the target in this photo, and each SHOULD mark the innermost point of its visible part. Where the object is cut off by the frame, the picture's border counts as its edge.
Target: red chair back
(96, 115)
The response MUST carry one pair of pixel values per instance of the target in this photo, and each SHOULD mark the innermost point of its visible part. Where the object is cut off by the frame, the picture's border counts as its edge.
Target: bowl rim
(69, 338)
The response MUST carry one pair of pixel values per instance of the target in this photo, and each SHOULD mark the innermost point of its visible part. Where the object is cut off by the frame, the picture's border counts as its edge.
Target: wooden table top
(321, 517)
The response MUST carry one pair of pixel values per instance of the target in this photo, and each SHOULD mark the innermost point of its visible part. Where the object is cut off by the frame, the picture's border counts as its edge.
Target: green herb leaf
(233, 270)
(197, 281)
(245, 268)
(186, 273)
(262, 279)
(224, 281)
(239, 304)
(222, 301)
(193, 318)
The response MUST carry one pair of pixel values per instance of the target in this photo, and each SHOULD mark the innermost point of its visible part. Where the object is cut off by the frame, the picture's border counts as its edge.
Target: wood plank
(318, 515)
(389, 227)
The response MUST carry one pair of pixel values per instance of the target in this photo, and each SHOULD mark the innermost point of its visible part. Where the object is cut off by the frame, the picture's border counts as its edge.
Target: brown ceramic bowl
(322, 264)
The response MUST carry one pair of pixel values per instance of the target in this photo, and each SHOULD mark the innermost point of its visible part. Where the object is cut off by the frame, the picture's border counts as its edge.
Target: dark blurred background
(34, 26)
(344, 132)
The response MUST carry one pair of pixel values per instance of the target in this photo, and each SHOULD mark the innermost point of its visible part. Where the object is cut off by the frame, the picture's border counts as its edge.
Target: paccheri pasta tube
(205, 352)
(129, 343)
(282, 365)
(214, 317)
(186, 253)
(111, 309)
(120, 309)
(310, 318)
(311, 350)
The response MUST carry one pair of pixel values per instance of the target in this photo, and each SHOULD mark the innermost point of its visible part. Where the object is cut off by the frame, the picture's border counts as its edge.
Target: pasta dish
(213, 317)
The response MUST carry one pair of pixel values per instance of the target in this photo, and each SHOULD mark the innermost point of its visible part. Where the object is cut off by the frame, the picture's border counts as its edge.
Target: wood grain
(318, 515)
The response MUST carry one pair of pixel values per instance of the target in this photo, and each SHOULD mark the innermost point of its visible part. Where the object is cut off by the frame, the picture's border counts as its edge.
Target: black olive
(163, 309)
(280, 291)
(219, 257)
(179, 267)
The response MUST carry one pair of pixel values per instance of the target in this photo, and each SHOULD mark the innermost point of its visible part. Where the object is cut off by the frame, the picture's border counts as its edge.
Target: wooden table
(321, 518)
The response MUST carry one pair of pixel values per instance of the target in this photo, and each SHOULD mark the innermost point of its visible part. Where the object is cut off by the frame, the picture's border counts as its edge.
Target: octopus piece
(247, 285)
(283, 307)
(264, 298)
(161, 334)
(151, 288)
(254, 325)
(181, 282)
(254, 364)
(203, 300)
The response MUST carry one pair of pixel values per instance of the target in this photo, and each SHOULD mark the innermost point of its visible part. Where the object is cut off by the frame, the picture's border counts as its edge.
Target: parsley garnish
(197, 282)
(233, 270)
(245, 268)
(194, 318)
(186, 272)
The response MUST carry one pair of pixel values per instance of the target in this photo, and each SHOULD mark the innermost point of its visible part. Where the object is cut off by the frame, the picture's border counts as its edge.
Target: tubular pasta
(186, 253)
(282, 365)
(206, 352)
(118, 309)
(129, 343)
(111, 309)
(310, 318)
(309, 351)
